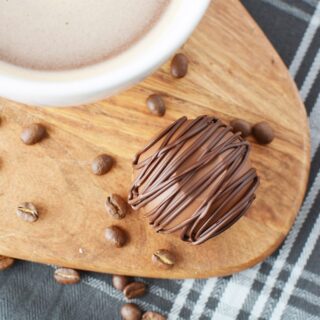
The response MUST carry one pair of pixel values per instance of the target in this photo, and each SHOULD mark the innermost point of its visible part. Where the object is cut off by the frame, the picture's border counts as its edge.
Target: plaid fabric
(286, 286)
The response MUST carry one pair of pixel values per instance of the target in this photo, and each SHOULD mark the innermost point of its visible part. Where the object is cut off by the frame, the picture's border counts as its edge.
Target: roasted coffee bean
(156, 105)
(27, 212)
(5, 262)
(163, 259)
(101, 164)
(66, 276)
(120, 282)
(33, 133)
(153, 316)
(263, 132)
(134, 290)
(243, 126)
(116, 236)
(116, 206)
(130, 311)
(179, 65)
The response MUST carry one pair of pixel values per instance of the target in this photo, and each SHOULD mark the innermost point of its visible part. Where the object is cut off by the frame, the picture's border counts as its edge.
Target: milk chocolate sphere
(195, 179)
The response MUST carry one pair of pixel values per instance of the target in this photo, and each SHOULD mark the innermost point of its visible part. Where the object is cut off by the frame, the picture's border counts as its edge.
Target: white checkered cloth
(285, 286)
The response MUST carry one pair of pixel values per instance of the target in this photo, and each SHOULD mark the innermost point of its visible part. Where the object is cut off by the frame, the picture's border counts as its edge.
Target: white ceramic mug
(85, 85)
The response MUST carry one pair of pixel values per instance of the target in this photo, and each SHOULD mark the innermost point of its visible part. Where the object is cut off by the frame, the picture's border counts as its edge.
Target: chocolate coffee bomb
(194, 178)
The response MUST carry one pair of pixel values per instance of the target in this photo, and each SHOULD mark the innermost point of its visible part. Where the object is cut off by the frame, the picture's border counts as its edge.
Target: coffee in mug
(70, 34)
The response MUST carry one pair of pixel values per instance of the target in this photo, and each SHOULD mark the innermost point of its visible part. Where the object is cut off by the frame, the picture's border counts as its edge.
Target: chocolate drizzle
(194, 178)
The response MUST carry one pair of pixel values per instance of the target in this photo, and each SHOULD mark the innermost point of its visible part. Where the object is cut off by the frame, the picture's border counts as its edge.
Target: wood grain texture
(234, 72)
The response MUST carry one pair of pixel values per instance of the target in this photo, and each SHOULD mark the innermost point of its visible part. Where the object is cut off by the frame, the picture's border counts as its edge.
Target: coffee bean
(179, 66)
(33, 133)
(101, 164)
(27, 212)
(163, 259)
(153, 316)
(134, 290)
(242, 126)
(66, 276)
(263, 132)
(130, 311)
(116, 236)
(120, 282)
(156, 105)
(116, 206)
(5, 262)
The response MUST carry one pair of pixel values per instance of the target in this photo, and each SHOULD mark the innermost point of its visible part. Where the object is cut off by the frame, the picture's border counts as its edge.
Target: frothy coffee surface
(67, 34)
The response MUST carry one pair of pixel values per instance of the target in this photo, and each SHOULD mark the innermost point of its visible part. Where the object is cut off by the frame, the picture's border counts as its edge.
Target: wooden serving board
(234, 72)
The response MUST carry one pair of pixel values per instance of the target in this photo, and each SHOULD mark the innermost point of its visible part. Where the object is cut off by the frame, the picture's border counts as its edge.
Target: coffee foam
(68, 34)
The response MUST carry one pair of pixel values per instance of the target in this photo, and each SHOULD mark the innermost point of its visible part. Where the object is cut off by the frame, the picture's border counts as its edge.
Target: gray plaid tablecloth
(286, 286)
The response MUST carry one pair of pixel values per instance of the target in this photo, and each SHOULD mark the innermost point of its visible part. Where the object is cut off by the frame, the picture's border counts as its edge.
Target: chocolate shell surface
(195, 179)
